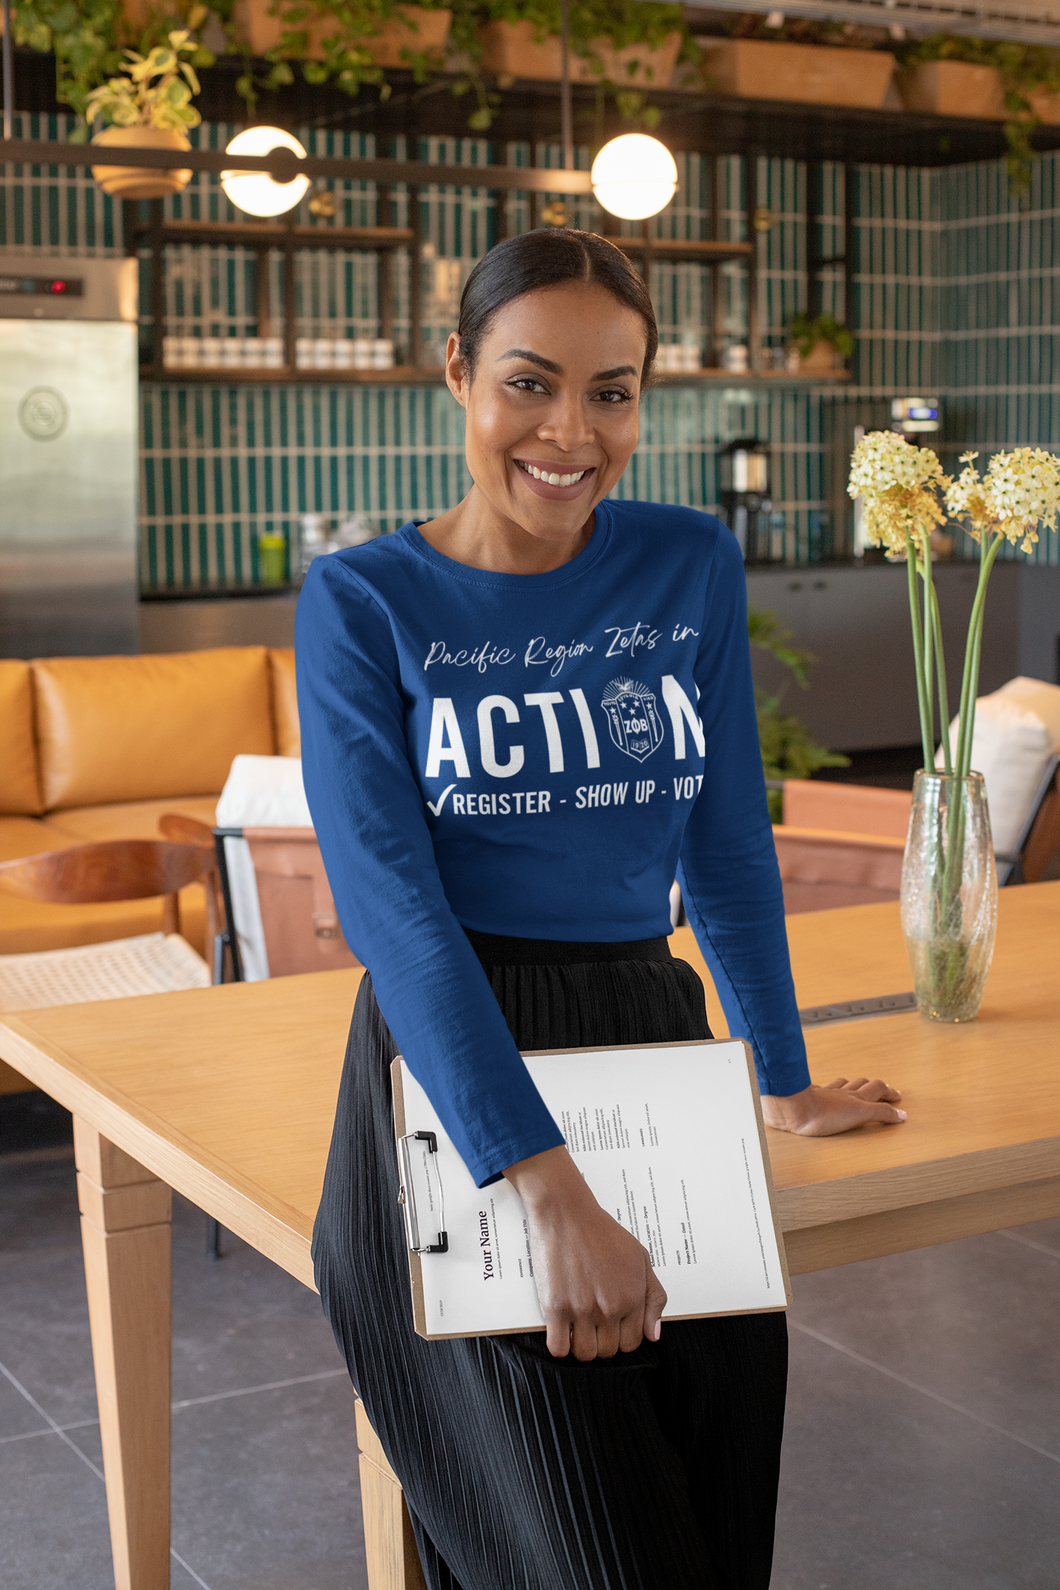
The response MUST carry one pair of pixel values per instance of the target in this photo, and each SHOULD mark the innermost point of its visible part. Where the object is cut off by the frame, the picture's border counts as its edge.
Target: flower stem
(929, 635)
(923, 698)
(940, 663)
(970, 681)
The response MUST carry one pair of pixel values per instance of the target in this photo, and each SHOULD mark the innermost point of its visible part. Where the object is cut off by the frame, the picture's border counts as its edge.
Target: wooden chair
(189, 831)
(94, 874)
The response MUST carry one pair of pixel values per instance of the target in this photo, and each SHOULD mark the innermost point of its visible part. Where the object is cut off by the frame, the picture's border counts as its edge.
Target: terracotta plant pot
(807, 74)
(413, 28)
(822, 359)
(510, 49)
(953, 88)
(1046, 106)
(141, 182)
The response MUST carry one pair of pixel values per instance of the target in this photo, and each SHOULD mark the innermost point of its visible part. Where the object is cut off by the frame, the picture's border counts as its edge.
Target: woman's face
(552, 412)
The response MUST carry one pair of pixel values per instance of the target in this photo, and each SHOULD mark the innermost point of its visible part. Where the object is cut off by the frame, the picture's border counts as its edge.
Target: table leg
(125, 1230)
(389, 1544)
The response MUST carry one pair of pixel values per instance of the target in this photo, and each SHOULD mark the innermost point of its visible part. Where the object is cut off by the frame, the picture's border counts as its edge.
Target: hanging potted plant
(148, 105)
(819, 343)
(949, 880)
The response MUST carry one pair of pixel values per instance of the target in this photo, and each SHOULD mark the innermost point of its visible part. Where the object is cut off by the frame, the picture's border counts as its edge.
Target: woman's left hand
(839, 1107)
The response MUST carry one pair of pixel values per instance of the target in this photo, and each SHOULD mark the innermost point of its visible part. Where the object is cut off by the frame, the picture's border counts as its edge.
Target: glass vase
(949, 895)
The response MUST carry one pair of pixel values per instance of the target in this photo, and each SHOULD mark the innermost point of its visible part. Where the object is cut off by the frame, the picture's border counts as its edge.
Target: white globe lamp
(634, 176)
(256, 192)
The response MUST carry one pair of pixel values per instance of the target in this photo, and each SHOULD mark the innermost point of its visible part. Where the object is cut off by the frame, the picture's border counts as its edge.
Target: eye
(613, 394)
(527, 383)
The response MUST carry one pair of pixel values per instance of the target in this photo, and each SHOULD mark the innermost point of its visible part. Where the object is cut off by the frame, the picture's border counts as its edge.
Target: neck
(475, 534)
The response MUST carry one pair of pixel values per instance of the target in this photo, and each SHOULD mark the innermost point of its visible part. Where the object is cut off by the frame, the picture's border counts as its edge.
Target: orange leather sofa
(102, 747)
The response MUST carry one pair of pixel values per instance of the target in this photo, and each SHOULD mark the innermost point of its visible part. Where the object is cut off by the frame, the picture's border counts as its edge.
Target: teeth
(553, 480)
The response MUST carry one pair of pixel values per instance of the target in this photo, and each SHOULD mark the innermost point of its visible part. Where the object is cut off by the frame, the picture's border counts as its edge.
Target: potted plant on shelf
(1018, 84)
(819, 343)
(347, 41)
(803, 61)
(949, 881)
(147, 104)
(632, 44)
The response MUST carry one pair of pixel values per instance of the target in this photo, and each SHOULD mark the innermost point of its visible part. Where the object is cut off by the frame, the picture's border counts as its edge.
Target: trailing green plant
(87, 40)
(806, 331)
(152, 90)
(805, 30)
(788, 749)
(1024, 68)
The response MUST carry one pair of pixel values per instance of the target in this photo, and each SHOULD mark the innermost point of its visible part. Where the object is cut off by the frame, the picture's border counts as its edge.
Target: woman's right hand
(598, 1291)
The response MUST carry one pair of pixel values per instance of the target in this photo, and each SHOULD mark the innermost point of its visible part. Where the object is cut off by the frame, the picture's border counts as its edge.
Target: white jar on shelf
(323, 353)
(342, 353)
(382, 354)
(252, 352)
(212, 352)
(303, 353)
(172, 353)
(232, 353)
(272, 353)
(362, 353)
(190, 352)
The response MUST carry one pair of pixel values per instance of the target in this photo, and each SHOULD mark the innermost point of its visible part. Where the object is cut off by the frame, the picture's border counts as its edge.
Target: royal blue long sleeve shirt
(539, 756)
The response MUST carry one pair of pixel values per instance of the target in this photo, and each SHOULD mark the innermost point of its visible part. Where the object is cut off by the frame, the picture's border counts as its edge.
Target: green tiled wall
(954, 290)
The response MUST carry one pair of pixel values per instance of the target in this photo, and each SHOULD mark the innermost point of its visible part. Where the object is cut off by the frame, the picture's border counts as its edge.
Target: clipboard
(468, 1246)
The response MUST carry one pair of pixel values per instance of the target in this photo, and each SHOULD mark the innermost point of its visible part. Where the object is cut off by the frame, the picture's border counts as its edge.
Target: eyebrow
(556, 369)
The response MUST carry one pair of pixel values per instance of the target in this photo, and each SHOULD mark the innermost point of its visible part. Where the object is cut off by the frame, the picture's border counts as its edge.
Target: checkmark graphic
(431, 807)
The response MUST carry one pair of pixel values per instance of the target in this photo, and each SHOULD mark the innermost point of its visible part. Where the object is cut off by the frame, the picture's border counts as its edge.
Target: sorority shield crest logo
(635, 725)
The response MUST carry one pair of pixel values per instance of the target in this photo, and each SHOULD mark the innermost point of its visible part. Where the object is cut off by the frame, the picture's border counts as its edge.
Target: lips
(546, 480)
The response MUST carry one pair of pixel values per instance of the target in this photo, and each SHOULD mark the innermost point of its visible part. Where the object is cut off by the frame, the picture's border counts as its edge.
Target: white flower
(898, 484)
(1019, 492)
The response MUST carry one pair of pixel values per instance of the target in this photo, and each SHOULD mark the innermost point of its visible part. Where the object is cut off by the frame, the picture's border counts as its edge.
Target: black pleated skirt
(653, 1470)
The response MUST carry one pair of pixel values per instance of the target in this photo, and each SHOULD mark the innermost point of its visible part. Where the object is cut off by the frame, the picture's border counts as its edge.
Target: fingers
(654, 1303)
(885, 1113)
(558, 1334)
(871, 1091)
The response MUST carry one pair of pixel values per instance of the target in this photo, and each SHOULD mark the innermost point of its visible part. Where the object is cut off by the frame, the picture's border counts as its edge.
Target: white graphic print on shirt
(635, 725)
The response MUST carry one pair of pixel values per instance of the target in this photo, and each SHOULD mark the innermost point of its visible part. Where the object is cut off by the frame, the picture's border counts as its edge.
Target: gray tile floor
(923, 1445)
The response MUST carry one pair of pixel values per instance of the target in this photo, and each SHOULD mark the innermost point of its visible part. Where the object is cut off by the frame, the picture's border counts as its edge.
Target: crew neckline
(577, 566)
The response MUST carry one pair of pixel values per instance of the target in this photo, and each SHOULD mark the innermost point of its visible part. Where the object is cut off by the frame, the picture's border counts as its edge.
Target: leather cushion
(146, 728)
(19, 790)
(285, 702)
(27, 836)
(130, 820)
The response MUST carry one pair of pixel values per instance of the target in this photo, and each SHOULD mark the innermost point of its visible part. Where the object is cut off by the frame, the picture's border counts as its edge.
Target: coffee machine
(745, 499)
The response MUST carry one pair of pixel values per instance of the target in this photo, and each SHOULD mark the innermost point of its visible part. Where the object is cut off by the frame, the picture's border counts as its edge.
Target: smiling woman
(541, 634)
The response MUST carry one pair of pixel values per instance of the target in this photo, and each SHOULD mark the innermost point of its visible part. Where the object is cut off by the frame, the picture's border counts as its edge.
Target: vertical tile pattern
(956, 293)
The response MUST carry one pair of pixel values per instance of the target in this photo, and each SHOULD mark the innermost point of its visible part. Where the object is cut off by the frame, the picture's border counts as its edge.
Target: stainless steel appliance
(68, 456)
(745, 497)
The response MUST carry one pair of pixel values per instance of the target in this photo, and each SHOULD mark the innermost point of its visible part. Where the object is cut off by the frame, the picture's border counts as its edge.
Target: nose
(567, 425)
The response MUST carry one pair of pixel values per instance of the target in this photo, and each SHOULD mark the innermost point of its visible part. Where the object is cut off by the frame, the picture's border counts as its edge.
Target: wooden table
(227, 1094)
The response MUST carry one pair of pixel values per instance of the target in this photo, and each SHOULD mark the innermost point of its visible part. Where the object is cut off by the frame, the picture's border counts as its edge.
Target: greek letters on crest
(632, 719)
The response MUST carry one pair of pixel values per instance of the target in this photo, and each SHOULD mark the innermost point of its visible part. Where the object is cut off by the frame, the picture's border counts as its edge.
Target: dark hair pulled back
(547, 258)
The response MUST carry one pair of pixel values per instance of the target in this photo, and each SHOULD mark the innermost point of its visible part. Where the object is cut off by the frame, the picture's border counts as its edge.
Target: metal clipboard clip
(421, 1191)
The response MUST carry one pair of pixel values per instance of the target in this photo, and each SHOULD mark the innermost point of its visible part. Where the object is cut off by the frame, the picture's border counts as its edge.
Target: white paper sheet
(668, 1139)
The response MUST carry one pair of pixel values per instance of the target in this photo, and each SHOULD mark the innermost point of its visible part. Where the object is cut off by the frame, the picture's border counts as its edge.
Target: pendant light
(255, 192)
(634, 176)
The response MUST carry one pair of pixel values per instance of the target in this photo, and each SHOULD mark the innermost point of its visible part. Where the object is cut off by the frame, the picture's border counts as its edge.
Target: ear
(455, 373)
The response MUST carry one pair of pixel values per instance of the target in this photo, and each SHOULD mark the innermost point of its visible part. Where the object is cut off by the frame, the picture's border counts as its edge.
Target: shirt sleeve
(728, 872)
(368, 813)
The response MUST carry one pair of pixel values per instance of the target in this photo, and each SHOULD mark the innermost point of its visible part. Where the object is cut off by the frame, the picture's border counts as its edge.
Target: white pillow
(264, 792)
(1017, 730)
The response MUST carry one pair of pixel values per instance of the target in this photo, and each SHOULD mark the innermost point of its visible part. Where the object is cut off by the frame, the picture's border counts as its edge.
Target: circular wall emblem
(43, 413)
